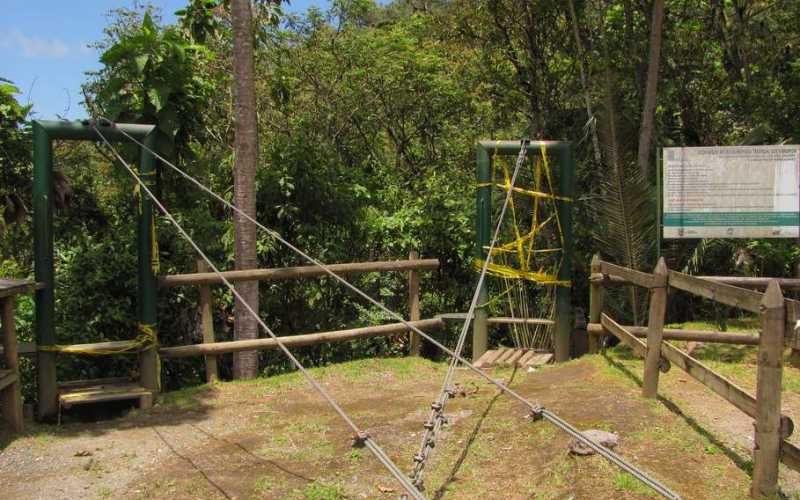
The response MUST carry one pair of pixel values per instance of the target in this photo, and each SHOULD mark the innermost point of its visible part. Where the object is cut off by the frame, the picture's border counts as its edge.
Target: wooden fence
(211, 349)
(778, 319)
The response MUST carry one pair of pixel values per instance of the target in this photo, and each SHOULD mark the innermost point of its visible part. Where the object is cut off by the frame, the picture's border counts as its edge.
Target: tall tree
(651, 90)
(245, 364)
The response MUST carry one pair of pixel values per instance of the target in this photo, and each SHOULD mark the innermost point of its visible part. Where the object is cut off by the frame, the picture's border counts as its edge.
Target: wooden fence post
(414, 341)
(655, 330)
(207, 323)
(766, 453)
(12, 399)
(596, 303)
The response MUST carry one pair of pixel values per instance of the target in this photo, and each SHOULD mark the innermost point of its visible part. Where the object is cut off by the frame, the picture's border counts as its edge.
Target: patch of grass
(264, 484)
(307, 427)
(744, 324)
(320, 491)
(355, 455)
(105, 492)
(625, 482)
(188, 397)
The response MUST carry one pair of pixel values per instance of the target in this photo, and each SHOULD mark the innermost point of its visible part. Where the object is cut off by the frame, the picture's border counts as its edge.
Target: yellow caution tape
(147, 338)
(523, 244)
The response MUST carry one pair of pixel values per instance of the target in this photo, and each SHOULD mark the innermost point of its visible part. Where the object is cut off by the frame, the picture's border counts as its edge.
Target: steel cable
(436, 418)
(534, 408)
(359, 435)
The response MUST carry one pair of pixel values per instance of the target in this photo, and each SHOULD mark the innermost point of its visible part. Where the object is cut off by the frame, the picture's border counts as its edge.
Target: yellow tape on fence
(147, 338)
(523, 244)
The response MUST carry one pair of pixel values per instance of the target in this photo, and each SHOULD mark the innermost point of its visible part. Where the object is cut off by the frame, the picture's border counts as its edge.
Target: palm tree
(245, 364)
(651, 90)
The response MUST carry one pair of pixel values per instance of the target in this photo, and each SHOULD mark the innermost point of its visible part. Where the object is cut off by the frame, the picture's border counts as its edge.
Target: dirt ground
(276, 438)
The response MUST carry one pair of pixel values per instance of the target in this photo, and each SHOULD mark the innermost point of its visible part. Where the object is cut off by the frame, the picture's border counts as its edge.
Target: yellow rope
(147, 338)
(155, 262)
(523, 245)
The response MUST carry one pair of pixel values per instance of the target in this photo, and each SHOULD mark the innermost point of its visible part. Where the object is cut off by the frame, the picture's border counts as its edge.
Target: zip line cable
(436, 419)
(536, 409)
(360, 437)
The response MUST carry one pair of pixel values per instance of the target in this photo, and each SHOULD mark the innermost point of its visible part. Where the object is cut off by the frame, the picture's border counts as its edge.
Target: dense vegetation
(368, 115)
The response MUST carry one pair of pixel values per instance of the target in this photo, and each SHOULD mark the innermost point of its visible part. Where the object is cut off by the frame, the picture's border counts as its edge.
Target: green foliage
(15, 154)
(368, 116)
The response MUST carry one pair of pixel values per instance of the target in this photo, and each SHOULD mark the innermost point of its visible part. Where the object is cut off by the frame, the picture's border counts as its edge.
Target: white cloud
(34, 46)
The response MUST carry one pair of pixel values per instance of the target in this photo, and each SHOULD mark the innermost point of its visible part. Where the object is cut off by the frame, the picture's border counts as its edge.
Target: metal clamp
(360, 439)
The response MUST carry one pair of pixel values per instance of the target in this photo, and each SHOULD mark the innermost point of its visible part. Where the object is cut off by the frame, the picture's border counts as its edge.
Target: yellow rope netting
(523, 245)
(147, 338)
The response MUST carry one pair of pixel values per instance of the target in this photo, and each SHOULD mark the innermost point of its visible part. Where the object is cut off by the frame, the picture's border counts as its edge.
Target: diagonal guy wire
(534, 408)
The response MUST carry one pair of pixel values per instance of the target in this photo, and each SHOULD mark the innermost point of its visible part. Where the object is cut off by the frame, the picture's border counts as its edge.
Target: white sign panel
(732, 192)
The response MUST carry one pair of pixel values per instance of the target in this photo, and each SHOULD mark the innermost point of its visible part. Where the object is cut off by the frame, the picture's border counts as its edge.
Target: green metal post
(47, 388)
(148, 359)
(44, 132)
(480, 338)
(564, 314)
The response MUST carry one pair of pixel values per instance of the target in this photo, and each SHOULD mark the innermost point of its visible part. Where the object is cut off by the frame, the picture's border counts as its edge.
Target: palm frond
(625, 209)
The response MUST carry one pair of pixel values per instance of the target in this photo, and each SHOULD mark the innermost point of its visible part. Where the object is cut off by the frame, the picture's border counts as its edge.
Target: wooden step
(7, 377)
(522, 358)
(105, 392)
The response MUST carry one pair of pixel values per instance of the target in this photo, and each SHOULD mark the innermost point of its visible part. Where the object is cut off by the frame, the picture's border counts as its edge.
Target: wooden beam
(7, 377)
(498, 320)
(754, 282)
(9, 288)
(207, 323)
(414, 340)
(766, 452)
(23, 349)
(12, 394)
(748, 300)
(596, 329)
(790, 455)
(596, 303)
(633, 276)
(655, 331)
(297, 340)
(637, 346)
(285, 273)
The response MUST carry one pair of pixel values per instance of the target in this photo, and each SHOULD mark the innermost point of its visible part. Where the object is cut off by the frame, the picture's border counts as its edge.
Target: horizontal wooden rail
(501, 320)
(682, 334)
(790, 455)
(754, 282)
(725, 388)
(296, 340)
(632, 276)
(285, 273)
(9, 288)
(721, 289)
(749, 300)
(637, 346)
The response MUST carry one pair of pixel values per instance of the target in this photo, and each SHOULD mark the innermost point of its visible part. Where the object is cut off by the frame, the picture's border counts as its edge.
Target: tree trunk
(245, 364)
(587, 99)
(651, 91)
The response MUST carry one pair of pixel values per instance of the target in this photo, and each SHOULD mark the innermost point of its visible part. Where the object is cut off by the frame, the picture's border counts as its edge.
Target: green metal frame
(566, 180)
(44, 133)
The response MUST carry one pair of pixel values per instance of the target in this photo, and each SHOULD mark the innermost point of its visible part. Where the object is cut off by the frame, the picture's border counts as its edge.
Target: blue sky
(43, 47)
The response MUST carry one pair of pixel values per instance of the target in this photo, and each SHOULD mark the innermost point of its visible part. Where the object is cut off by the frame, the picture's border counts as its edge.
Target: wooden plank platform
(522, 358)
(72, 396)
